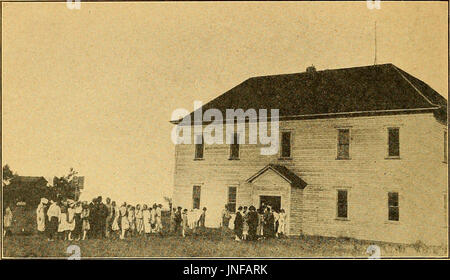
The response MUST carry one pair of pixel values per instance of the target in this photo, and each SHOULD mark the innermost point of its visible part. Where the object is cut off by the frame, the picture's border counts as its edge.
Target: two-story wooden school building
(363, 154)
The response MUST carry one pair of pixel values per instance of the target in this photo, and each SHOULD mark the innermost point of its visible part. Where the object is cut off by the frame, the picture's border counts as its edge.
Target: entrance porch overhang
(283, 172)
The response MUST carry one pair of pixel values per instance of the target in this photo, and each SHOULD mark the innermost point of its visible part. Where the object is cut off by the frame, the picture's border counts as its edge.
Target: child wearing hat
(201, 221)
(178, 219)
(238, 224)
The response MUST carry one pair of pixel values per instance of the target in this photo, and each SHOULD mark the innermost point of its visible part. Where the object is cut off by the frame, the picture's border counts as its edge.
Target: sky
(95, 88)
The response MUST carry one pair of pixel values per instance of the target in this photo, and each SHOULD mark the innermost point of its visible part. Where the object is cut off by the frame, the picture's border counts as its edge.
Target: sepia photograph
(224, 130)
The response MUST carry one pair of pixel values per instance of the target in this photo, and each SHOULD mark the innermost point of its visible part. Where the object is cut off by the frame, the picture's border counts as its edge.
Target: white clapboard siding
(420, 177)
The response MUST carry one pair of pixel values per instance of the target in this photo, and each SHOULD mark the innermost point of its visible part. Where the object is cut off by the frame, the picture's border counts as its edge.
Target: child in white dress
(63, 227)
(184, 223)
(115, 224)
(159, 226)
(70, 220)
(281, 223)
(7, 221)
(146, 220)
(40, 216)
(191, 215)
(132, 219)
(276, 222)
(124, 223)
(139, 220)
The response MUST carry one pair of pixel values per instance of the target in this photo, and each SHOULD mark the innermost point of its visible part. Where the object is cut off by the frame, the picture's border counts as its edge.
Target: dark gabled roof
(284, 172)
(374, 88)
(424, 89)
(28, 179)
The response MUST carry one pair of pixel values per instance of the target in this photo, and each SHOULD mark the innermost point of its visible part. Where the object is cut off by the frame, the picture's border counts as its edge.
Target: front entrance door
(273, 201)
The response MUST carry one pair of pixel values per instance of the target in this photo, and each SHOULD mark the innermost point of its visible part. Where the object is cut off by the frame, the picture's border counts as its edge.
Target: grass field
(213, 243)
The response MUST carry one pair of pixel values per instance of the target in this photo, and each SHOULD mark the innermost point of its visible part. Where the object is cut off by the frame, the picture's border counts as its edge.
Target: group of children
(252, 224)
(182, 220)
(69, 220)
(75, 220)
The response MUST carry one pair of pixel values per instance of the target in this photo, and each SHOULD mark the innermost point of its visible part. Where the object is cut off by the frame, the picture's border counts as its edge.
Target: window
(232, 199)
(445, 146)
(393, 206)
(342, 204)
(199, 147)
(234, 147)
(394, 142)
(286, 144)
(196, 197)
(343, 144)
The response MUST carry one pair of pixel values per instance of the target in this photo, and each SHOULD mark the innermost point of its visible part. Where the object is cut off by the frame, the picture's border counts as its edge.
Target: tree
(64, 186)
(8, 174)
(8, 192)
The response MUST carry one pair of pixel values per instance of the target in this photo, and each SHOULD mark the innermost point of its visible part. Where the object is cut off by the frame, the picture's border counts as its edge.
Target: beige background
(95, 88)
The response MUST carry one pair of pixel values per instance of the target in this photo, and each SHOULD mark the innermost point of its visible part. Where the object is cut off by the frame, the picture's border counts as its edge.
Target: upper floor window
(199, 147)
(394, 212)
(343, 143)
(232, 199)
(234, 147)
(286, 144)
(342, 204)
(196, 197)
(394, 142)
(445, 146)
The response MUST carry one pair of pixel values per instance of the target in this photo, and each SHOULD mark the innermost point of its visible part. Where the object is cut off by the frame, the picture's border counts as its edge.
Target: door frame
(259, 204)
(285, 202)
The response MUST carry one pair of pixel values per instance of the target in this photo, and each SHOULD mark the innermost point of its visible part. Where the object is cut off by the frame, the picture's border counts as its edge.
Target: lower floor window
(232, 199)
(196, 197)
(342, 204)
(393, 206)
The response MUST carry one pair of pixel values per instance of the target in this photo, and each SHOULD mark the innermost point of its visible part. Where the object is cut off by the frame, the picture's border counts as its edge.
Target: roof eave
(341, 114)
